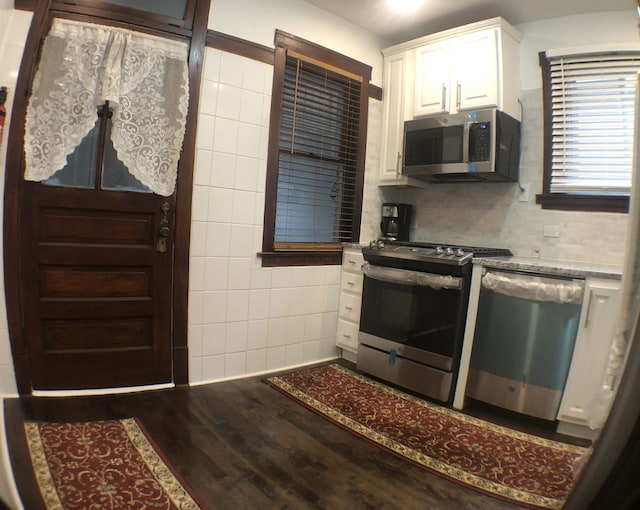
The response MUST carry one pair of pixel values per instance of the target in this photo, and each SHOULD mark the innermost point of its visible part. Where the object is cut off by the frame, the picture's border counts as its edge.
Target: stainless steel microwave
(477, 145)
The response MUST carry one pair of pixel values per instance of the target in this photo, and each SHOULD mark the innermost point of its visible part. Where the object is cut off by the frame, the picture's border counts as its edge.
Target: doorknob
(164, 229)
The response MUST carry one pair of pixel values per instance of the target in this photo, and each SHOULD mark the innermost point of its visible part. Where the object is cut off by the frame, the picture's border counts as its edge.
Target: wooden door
(96, 275)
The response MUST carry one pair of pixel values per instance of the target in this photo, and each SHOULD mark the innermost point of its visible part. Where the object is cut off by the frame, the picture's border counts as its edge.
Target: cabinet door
(395, 70)
(432, 81)
(475, 74)
(599, 317)
(347, 335)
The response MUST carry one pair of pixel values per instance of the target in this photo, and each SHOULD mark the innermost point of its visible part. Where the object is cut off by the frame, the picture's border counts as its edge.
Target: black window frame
(566, 201)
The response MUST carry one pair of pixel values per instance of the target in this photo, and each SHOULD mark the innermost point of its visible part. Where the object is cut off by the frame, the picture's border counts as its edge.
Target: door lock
(163, 235)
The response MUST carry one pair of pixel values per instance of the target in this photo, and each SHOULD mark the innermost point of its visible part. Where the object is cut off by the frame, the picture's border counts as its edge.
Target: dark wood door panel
(94, 335)
(96, 308)
(63, 371)
(101, 227)
(103, 255)
(88, 282)
(75, 199)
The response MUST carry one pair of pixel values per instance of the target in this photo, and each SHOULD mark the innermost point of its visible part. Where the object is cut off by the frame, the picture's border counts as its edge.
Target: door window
(91, 167)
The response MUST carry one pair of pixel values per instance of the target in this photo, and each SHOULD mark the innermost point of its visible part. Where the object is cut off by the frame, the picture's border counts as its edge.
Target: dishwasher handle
(535, 288)
(406, 277)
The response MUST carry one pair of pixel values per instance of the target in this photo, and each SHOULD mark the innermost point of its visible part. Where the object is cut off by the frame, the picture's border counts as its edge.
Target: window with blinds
(317, 156)
(315, 166)
(590, 104)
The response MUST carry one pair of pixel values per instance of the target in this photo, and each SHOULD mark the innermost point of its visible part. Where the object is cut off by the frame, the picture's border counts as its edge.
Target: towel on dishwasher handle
(535, 288)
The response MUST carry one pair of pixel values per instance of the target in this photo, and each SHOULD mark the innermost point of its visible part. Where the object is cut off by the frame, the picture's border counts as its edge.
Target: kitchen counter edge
(551, 267)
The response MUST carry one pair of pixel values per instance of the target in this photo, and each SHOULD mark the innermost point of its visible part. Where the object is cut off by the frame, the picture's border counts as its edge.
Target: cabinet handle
(444, 97)
(398, 161)
(458, 95)
(351, 283)
(348, 308)
(588, 316)
(346, 336)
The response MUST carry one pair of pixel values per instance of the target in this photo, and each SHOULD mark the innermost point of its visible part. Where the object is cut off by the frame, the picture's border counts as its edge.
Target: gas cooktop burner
(433, 252)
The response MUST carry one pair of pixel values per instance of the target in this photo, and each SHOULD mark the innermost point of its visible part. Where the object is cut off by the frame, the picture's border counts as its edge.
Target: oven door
(419, 311)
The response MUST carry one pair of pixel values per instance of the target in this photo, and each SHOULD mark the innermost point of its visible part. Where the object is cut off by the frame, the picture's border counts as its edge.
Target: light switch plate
(551, 231)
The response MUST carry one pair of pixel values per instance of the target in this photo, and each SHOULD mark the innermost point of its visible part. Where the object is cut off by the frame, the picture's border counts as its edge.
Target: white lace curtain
(145, 80)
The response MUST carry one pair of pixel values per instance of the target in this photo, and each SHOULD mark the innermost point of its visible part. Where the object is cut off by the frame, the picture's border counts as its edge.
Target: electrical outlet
(551, 231)
(523, 196)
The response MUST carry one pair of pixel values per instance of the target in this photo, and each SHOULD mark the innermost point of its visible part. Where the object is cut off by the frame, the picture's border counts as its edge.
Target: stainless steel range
(414, 306)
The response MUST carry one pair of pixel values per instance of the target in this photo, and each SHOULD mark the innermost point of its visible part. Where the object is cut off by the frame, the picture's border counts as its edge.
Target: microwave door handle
(465, 142)
(444, 97)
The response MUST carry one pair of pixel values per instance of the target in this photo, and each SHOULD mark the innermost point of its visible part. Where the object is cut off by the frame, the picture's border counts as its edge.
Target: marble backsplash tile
(498, 214)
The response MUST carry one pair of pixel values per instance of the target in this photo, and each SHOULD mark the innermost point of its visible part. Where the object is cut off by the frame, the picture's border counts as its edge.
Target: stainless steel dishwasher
(523, 343)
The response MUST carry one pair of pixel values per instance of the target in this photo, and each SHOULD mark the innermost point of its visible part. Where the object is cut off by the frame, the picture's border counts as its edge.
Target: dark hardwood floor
(243, 445)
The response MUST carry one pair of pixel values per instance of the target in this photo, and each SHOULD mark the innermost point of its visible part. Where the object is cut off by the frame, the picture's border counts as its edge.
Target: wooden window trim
(260, 53)
(284, 43)
(564, 201)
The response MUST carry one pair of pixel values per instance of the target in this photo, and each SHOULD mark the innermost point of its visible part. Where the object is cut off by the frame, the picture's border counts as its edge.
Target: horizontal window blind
(593, 101)
(318, 150)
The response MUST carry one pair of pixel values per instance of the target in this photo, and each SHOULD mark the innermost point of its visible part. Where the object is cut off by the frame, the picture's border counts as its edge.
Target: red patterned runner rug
(109, 464)
(511, 465)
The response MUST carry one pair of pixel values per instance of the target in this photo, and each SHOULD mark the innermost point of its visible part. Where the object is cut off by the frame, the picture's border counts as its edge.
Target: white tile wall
(245, 319)
(13, 31)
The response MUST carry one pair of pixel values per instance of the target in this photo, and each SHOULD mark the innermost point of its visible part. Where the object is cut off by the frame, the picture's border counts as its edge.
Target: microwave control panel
(479, 142)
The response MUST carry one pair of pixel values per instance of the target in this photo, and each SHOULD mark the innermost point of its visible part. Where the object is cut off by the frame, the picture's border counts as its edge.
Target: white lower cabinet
(350, 300)
(600, 315)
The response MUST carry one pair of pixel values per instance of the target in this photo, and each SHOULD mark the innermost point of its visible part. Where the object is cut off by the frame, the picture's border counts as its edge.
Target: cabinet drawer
(352, 261)
(352, 282)
(350, 307)
(347, 335)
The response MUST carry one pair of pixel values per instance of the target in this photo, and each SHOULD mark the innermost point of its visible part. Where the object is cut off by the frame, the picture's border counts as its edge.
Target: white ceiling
(436, 15)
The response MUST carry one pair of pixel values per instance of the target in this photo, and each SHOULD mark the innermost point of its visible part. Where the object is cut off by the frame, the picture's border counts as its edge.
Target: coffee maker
(395, 221)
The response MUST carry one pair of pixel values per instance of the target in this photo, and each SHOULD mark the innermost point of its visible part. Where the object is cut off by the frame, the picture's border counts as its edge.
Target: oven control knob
(439, 250)
(448, 251)
(459, 252)
(380, 244)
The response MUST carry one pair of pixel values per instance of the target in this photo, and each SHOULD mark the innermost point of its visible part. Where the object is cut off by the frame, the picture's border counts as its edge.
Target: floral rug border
(174, 486)
(452, 473)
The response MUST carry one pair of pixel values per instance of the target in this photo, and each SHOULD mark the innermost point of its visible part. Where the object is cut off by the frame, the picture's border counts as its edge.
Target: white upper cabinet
(397, 109)
(474, 70)
(457, 74)
(433, 79)
(466, 68)
(476, 74)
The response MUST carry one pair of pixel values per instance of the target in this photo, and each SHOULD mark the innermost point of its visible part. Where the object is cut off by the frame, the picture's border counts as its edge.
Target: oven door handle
(406, 277)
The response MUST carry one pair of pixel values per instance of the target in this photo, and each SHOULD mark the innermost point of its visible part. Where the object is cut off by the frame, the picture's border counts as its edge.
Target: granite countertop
(551, 267)
(540, 265)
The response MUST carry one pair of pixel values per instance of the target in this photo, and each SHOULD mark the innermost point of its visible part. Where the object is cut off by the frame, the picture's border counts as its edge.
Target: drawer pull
(350, 283)
(348, 308)
(346, 336)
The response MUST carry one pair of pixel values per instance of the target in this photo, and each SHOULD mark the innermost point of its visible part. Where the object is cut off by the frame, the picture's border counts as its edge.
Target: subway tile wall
(245, 319)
